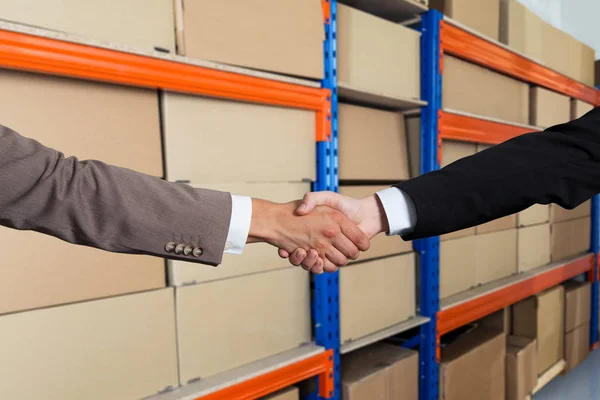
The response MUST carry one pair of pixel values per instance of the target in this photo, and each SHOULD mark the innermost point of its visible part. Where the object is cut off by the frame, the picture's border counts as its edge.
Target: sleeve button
(179, 248)
(197, 252)
(188, 250)
(170, 247)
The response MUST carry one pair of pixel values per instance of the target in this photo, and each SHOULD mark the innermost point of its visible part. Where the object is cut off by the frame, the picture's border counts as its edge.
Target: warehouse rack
(41, 51)
(443, 36)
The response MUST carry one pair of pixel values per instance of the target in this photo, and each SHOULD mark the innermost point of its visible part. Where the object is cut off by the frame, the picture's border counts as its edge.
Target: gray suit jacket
(110, 208)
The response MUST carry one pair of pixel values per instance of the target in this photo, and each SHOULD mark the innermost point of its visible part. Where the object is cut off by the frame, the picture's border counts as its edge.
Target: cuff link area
(183, 249)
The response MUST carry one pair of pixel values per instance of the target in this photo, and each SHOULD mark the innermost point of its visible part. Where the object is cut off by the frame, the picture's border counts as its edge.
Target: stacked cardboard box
(541, 317)
(548, 108)
(577, 322)
(528, 34)
(481, 16)
(146, 25)
(246, 34)
(569, 231)
(269, 311)
(579, 108)
(381, 371)
(291, 393)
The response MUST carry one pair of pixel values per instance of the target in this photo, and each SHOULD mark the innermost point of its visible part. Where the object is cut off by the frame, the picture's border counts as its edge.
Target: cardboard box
(381, 371)
(521, 367)
(548, 108)
(376, 55)
(85, 119)
(246, 34)
(481, 16)
(579, 108)
(578, 298)
(376, 295)
(381, 245)
(466, 88)
(257, 257)
(577, 346)
(457, 265)
(116, 348)
(381, 154)
(495, 256)
(58, 272)
(569, 238)
(500, 321)
(250, 318)
(291, 393)
(413, 137)
(541, 317)
(145, 25)
(223, 132)
(534, 215)
(473, 366)
(533, 247)
(521, 29)
(559, 214)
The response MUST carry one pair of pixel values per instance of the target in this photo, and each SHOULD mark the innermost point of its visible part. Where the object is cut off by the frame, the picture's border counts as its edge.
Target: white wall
(580, 18)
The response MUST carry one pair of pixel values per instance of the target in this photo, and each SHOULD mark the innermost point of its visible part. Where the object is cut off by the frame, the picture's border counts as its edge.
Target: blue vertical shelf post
(429, 249)
(595, 248)
(325, 299)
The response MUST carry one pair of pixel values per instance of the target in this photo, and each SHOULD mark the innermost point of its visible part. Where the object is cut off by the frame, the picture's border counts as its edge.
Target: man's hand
(366, 213)
(325, 238)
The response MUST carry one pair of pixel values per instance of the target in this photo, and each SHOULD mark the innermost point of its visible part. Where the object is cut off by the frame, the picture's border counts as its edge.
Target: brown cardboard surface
(473, 366)
(569, 238)
(579, 108)
(218, 141)
(534, 215)
(548, 108)
(533, 247)
(376, 55)
(577, 346)
(291, 393)
(413, 137)
(457, 265)
(500, 321)
(57, 272)
(375, 295)
(577, 304)
(481, 16)
(85, 119)
(372, 144)
(521, 367)
(453, 151)
(495, 255)
(380, 371)
(381, 245)
(466, 88)
(250, 318)
(117, 348)
(139, 23)
(541, 317)
(559, 214)
(257, 257)
(246, 34)
(521, 29)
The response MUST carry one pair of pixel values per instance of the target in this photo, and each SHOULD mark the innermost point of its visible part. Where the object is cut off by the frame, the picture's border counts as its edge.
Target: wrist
(265, 221)
(375, 220)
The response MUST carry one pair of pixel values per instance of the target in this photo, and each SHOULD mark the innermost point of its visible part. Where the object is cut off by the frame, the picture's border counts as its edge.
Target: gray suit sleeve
(110, 208)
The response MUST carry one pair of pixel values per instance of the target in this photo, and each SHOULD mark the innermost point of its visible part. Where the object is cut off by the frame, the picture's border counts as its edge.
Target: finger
(336, 257)
(310, 260)
(328, 266)
(297, 257)
(283, 253)
(346, 247)
(355, 235)
(313, 199)
(318, 267)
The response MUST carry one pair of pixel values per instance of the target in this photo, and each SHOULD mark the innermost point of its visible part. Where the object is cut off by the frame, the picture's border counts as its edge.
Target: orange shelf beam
(50, 56)
(461, 43)
(470, 129)
(320, 365)
(464, 313)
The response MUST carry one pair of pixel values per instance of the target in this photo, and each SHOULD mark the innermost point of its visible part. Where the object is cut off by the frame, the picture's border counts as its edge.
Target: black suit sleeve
(559, 165)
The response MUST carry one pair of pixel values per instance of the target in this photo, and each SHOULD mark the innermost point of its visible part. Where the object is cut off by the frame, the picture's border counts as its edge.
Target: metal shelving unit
(443, 36)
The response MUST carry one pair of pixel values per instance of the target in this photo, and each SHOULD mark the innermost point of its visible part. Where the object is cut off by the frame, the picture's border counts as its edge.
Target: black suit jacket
(559, 165)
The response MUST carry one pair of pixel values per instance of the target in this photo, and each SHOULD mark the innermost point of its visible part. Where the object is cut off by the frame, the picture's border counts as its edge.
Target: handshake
(321, 232)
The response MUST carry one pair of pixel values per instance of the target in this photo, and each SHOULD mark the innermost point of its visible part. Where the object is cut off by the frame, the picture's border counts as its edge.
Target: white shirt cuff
(399, 210)
(241, 214)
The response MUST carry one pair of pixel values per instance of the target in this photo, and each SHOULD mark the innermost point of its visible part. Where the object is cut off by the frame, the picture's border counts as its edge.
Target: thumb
(313, 199)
